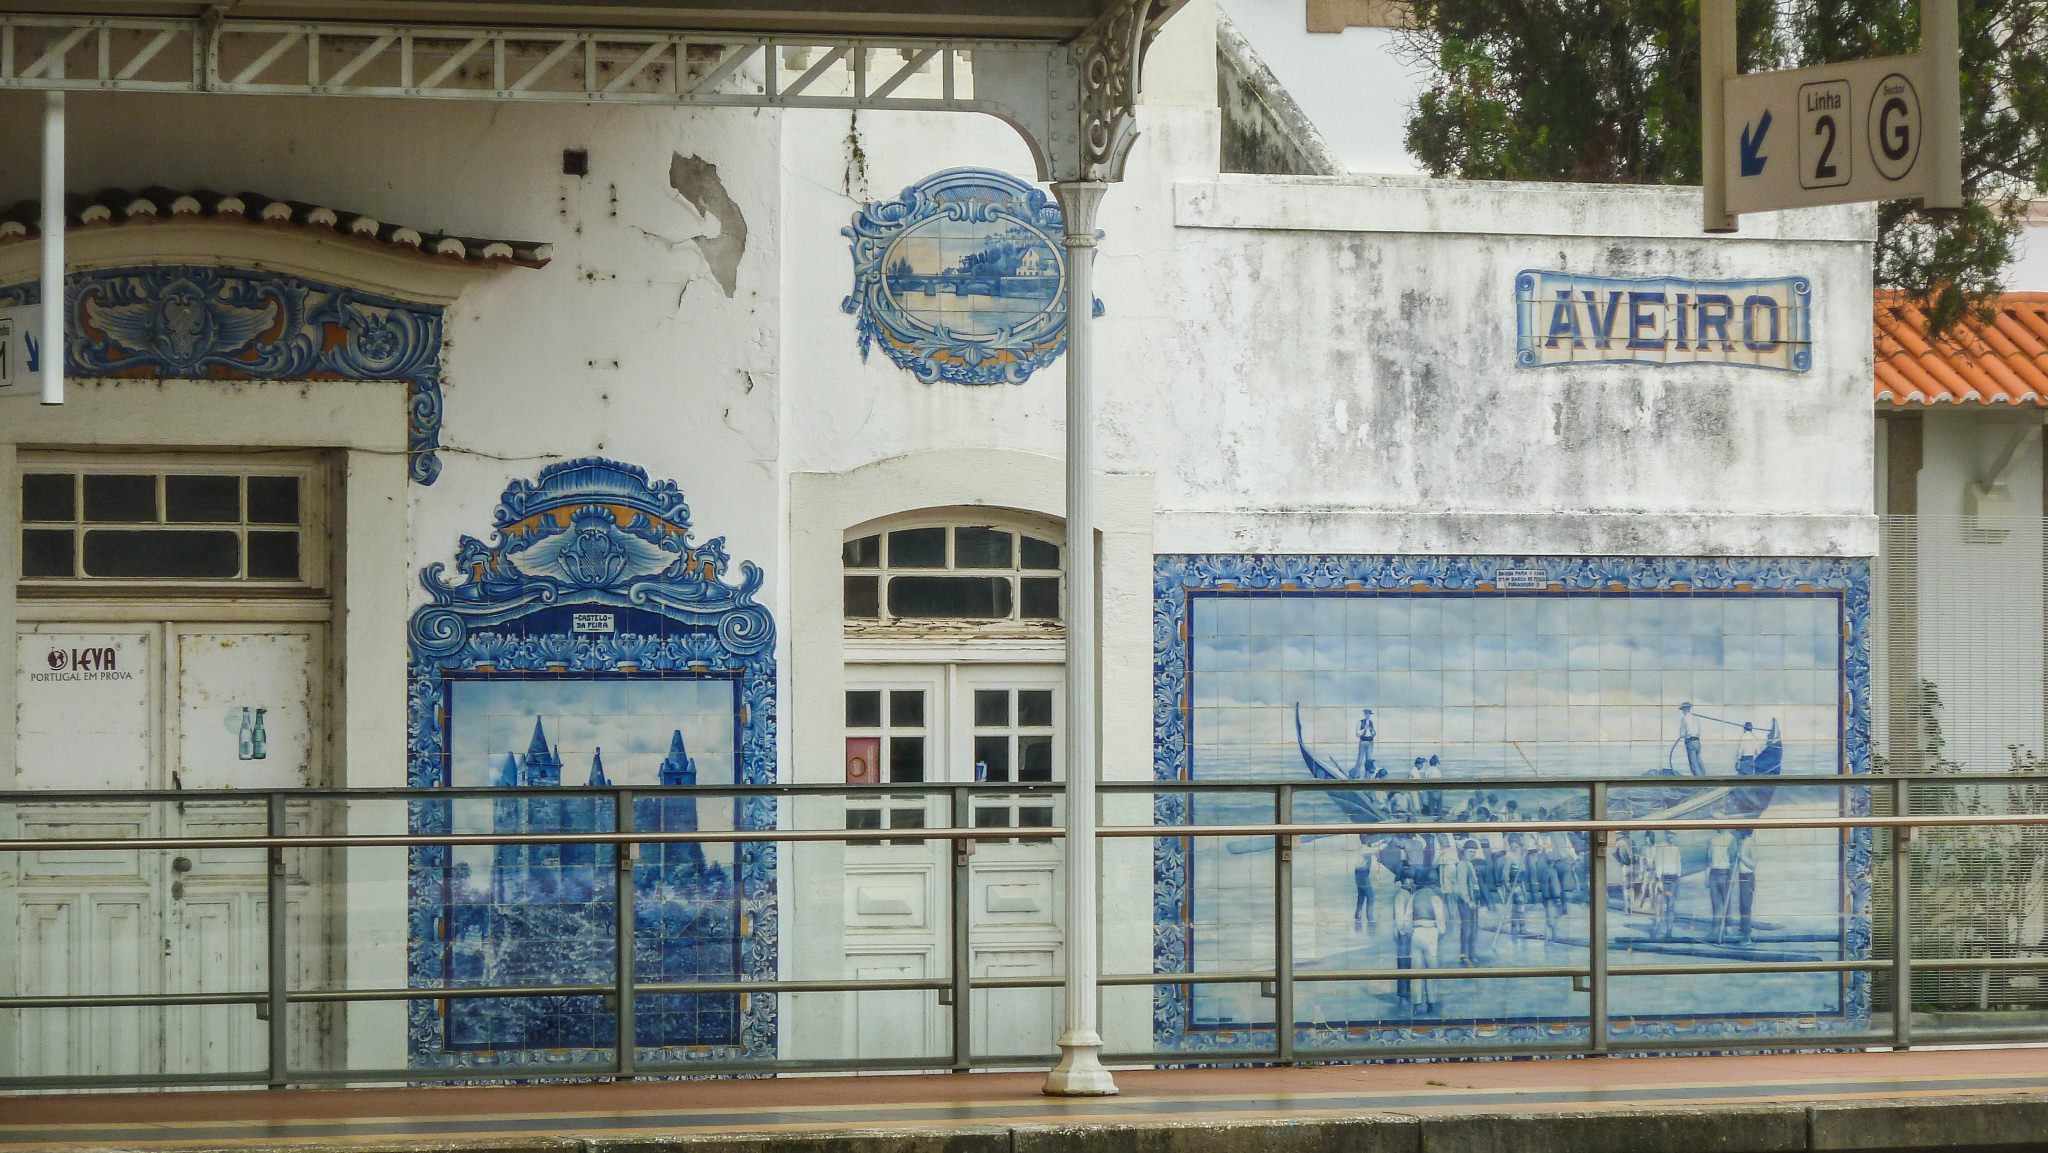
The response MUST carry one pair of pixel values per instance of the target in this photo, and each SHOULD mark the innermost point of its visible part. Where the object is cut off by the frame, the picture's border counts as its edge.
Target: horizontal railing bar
(1733, 968)
(482, 792)
(1755, 1044)
(1442, 974)
(131, 1000)
(1146, 832)
(1461, 784)
(1967, 963)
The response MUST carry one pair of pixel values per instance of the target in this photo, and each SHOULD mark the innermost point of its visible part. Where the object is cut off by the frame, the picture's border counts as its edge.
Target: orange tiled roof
(2003, 363)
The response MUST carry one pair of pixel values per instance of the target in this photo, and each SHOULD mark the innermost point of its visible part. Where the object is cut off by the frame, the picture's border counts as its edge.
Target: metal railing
(955, 986)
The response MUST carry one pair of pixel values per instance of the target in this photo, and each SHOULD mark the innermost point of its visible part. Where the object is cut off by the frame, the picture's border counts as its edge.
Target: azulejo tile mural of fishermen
(1436, 673)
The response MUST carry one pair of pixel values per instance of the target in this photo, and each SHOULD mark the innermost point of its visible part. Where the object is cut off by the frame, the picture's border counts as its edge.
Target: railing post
(1283, 927)
(1596, 923)
(962, 970)
(278, 963)
(624, 932)
(1902, 917)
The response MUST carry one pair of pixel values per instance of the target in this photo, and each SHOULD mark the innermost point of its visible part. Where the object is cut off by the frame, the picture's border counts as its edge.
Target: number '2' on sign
(1825, 158)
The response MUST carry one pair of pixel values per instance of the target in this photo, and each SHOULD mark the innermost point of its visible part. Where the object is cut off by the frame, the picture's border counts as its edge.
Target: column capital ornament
(1105, 65)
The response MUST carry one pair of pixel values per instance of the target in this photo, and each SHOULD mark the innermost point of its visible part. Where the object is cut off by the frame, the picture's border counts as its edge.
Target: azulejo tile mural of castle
(1432, 669)
(961, 278)
(593, 644)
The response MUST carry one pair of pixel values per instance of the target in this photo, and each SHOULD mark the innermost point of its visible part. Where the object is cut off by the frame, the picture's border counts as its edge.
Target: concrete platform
(1985, 1099)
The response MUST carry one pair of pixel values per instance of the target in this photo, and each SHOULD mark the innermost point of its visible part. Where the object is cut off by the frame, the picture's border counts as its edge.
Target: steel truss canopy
(1063, 72)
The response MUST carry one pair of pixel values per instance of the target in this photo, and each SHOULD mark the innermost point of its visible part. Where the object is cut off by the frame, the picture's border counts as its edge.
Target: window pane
(863, 553)
(273, 500)
(863, 709)
(918, 548)
(1034, 758)
(992, 758)
(1034, 816)
(274, 556)
(863, 818)
(981, 548)
(203, 498)
(863, 597)
(992, 818)
(1041, 599)
(120, 498)
(47, 496)
(906, 819)
(977, 598)
(46, 553)
(991, 707)
(117, 553)
(1034, 708)
(1042, 554)
(906, 708)
(906, 760)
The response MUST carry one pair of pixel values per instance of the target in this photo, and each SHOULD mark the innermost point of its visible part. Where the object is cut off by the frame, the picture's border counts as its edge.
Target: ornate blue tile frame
(962, 207)
(187, 322)
(1178, 578)
(590, 534)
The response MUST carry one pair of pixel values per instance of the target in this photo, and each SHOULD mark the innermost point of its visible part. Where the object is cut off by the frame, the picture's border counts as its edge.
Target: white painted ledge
(1661, 533)
(1490, 208)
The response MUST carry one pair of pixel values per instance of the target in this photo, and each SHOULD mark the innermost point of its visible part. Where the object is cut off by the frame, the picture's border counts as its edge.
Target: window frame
(310, 469)
(884, 625)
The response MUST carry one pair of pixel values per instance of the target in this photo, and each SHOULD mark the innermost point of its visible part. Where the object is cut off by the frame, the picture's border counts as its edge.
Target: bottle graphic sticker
(257, 740)
(245, 741)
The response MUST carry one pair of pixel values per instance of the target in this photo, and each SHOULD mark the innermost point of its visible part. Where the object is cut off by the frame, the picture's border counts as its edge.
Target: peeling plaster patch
(696, 181)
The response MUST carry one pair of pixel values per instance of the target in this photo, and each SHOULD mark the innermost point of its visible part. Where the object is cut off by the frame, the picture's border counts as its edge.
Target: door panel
(245, 709)
(84, 717)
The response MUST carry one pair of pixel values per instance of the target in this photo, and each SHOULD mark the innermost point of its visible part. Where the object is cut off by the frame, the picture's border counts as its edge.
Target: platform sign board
(1833, 134)
(21, 334)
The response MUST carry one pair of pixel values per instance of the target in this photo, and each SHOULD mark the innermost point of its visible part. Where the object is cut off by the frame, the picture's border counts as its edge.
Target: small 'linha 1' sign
(1566, 318)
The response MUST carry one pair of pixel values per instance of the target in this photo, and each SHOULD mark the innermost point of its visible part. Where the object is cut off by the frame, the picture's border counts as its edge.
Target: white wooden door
(167, 705)
(953, 723)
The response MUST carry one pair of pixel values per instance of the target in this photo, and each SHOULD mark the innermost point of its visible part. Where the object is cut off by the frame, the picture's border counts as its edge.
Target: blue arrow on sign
(1752, 163)
(35, 362)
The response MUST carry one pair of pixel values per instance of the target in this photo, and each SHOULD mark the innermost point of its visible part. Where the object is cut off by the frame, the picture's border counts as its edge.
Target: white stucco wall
(2029, 269)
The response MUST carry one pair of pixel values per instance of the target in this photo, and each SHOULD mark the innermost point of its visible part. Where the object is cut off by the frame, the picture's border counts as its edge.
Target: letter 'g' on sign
(1566, 318)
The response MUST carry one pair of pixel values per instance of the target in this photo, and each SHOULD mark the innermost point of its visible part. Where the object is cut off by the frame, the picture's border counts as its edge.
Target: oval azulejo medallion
(961, 278)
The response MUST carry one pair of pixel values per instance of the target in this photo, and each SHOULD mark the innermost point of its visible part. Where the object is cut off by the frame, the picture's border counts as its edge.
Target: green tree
(1607, 91)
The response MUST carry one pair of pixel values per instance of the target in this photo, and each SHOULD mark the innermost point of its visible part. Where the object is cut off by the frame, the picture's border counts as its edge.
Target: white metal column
(53, 248)
(1079, 1071)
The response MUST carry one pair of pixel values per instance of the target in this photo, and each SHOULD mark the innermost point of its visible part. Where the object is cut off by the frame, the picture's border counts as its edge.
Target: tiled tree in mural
(593, 645)
(1531, 672)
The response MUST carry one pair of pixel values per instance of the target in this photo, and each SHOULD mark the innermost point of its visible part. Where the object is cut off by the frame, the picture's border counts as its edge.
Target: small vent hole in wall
(575, 162)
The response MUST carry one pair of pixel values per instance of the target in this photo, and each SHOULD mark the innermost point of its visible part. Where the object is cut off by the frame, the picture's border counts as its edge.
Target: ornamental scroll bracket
(1077, 106)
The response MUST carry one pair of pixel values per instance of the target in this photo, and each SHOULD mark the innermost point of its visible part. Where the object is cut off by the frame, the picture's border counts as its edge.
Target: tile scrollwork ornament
(962, 278)
(592, 632)
(1506, 684)
(210, 323)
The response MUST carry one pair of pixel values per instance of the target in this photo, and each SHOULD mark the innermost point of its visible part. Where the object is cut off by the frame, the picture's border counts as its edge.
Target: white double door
(193, 705)
(951, 723)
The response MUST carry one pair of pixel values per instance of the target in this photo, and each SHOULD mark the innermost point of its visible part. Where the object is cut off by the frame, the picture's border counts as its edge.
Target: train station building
(684, 400)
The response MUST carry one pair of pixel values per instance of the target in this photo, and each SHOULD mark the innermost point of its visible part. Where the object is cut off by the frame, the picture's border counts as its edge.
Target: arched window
(994, 577)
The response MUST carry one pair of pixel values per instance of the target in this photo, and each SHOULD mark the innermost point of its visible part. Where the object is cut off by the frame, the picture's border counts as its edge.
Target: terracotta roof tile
(2003, 363)
(119, 207)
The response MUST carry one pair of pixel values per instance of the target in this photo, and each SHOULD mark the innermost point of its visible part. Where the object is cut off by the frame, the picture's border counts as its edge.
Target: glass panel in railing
(1979, 911)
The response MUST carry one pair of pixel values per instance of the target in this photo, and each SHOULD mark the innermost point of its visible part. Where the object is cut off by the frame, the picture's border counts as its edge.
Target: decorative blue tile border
(187, 322)
(1183, 581)
(592, 577)
(962, 278)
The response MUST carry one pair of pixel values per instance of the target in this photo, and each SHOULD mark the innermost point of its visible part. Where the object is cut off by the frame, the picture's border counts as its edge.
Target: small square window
(273, 556)
(906, 709)
(863, 709)
(120, 499)
(991, 708)
(981, 548)
(906, 761)
(1038, 554)
(46, 552)
(273, 500)
(48, 496)
(863, 597)
(203, 499)
(1041, 598)
(1034, 708)
(918, 548)
(992, 758)
(863, 553)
